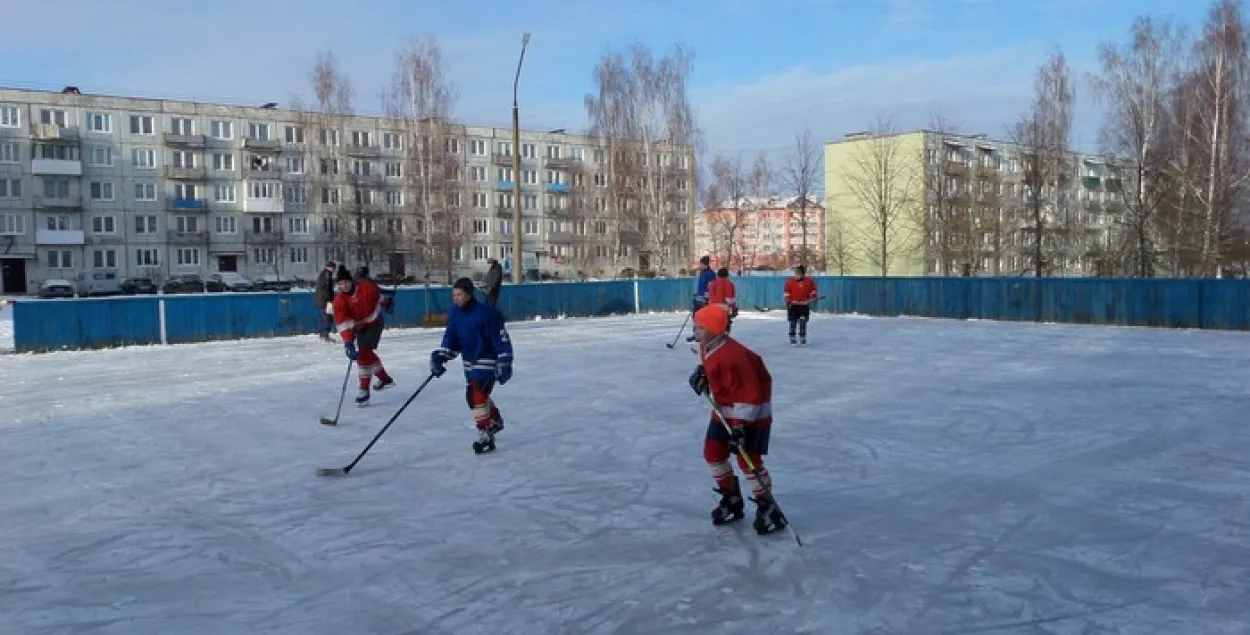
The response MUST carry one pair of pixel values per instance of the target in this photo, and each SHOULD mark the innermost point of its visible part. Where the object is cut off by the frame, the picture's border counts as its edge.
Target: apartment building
(757, 233)
(157, 188)
(932, 203)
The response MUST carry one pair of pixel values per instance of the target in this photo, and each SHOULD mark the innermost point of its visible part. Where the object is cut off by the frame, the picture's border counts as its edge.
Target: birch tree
(801, 176)
(1135, 82)
(1042, 136)
(641, 114)
(419, 101)
(728, 217)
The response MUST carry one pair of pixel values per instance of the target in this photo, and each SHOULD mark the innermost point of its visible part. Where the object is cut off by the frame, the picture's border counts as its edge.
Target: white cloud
(982, 93)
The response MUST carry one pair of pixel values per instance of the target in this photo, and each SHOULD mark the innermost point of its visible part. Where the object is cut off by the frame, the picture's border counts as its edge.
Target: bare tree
(948, 229)
(642, 116)
(728, 217)
(883, 181)
(1214, 130)
(1042, 135)
(760, 178)
(321, 127)
(802, 176)
(1136, 81)
(839, 255)
(419, 100)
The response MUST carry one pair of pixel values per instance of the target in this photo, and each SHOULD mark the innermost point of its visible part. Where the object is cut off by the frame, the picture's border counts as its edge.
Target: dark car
(189, 283)
(228, 281)
(272, 282)
(138, 286)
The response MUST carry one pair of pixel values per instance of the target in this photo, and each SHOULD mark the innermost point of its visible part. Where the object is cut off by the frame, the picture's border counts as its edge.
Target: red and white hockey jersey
(740, 382)
(360, 308)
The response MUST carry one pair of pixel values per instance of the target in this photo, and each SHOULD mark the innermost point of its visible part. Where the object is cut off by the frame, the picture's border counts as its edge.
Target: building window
(299, 255)
(147, 258)
(142, 124)
(481, 252)
(11, 188)
(103, 225)
(100, 122)
(104, 259)
(187, 256)
(10, 117)
(222, 130)
(60, 258)
(227, 225)
(12, 224)
(101, 191)
(145, 224)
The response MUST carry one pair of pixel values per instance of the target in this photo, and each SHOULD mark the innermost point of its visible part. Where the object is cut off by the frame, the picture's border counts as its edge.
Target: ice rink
(946, 478)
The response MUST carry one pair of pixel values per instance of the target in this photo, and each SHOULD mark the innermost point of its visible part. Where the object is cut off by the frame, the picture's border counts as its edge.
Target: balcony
(60, 204)
(501, 159)
(184, 238)
(505, 186)
(56, 167)
(265, 145)
(365, 152)
(562, 163)
(53, 133)
(955, 168)
(365, 179)
(186, 174)
(185, 140)
(263, 205)
(262, 238)
(262, 170)
(60, 237)
(987, 171)
(557, 188)
(561, 238)
(188, 204)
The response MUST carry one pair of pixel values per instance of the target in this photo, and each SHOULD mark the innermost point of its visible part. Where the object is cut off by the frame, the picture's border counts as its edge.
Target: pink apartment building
(762, 233)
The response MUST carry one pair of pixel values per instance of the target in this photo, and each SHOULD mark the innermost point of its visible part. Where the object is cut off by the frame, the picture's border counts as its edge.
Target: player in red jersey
(800, 292)
(722, 292)
(358, 310)
(741, 387)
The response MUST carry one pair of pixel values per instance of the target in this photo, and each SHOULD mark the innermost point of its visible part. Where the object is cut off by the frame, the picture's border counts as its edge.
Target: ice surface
(946, 477)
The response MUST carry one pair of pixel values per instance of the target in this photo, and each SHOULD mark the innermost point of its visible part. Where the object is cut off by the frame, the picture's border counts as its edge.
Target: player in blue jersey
(476, 332)
(705, 277)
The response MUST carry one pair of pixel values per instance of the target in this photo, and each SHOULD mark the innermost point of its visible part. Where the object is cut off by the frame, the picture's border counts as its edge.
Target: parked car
(272, 282)
(136, 286)
(186, 283)
(98, 283)
(228, 281)
(56, 288)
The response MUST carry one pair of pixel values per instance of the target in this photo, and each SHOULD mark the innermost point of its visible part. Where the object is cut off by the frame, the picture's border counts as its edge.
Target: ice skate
(383, 384)
(730, 508)
(485, 441)
(362, 397)
(768, 517)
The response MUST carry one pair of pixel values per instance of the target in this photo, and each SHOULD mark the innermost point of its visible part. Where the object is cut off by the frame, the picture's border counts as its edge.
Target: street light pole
(517, 260)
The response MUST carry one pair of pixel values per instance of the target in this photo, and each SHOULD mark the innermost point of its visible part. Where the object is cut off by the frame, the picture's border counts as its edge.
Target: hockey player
(477, 333)
(800, 292)
(722, 292)
(742, 389)
(705, 278)
(358, 318)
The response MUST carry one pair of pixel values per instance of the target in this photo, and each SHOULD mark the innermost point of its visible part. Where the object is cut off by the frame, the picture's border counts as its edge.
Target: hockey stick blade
(326, 421)
(331, 471)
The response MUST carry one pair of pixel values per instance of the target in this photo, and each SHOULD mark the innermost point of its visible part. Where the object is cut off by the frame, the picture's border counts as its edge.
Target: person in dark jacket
(323, 297)
(493, 282)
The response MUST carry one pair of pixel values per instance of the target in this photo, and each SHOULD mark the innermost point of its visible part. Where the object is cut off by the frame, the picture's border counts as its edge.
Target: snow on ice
(946, 477)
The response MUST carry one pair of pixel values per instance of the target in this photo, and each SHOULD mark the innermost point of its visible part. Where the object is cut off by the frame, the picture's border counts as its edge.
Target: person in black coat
(323, 297)
(493, 282)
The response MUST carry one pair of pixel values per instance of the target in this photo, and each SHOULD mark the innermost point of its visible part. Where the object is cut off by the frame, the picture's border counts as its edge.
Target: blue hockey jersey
(477, 333)
(706, 276)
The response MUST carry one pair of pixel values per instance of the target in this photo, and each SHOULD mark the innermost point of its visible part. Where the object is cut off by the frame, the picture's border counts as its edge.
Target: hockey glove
(735, 437)
(349, 349)
(503, 372)
(698, 380)
(438, 363)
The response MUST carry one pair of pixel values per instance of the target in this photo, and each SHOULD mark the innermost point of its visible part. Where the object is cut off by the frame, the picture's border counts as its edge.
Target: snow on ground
(946, 477)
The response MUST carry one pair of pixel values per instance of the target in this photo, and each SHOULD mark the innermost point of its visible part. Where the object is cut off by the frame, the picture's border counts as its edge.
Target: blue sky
(763, 70)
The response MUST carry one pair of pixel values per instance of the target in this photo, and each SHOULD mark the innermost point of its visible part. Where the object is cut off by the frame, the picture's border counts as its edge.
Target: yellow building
(937, 203)
(874, 202)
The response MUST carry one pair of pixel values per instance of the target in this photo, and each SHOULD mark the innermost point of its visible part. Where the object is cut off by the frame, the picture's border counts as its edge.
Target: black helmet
(361, 273)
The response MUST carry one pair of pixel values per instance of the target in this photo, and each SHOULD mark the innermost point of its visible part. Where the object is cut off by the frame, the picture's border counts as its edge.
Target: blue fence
(43, 325)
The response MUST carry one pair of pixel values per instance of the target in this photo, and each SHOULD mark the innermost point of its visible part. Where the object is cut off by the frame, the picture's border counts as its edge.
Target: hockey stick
(766, 309)
(343, 471)
(342, 393)
(680, 331)
(746, 458)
